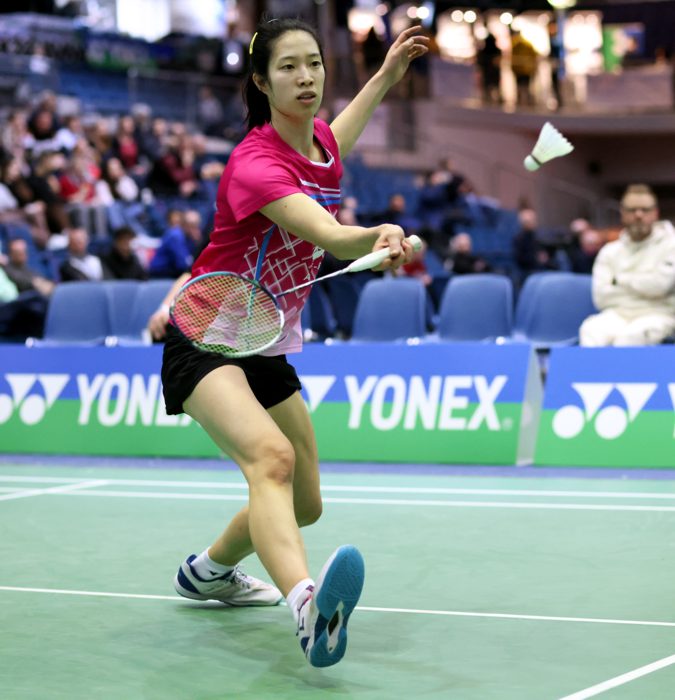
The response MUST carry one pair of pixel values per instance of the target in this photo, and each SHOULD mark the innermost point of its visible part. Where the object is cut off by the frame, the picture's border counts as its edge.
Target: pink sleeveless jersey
(261, 169)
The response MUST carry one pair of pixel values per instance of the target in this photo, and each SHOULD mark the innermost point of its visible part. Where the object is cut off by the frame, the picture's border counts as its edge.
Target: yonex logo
(31, 407)
(316, 387)
(610, 421)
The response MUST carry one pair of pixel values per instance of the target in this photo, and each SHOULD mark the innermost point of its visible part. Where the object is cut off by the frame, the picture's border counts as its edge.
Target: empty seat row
(549, 310)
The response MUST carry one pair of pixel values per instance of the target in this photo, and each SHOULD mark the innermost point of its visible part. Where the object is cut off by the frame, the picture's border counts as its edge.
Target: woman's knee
(274, 460)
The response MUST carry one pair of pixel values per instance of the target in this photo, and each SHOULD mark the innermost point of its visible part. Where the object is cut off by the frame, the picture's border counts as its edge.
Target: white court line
(406, 611)
(359, 489)
(620, 680)
(53, 490)
(374, 501)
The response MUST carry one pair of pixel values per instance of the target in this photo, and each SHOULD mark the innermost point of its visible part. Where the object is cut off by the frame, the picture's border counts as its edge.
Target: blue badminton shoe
(322, 618)
(235, 588)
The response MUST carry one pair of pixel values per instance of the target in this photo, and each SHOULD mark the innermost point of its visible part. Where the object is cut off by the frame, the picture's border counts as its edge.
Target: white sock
(206, 568)
(298, 595)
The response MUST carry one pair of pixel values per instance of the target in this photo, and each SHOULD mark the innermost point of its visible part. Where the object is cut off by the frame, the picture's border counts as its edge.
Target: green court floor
(476, 588)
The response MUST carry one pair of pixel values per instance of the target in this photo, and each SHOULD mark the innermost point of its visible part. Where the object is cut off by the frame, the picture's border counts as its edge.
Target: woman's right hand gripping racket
(237, 317)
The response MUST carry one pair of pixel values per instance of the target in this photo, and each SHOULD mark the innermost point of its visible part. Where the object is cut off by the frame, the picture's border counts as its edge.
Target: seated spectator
(174, 173)
(529, 253)
(634, 278)
(80, 264)
(124, 144)
(17, 269)
(397, 213)
(42, 184)
(153, 141)
(179, 245)
(210, 112)
(583, 255)
(42, 128)
(115, 184)
(461, 260)
(78, 182)
(120, 262)
(69, 134)
(99, 137)
(15, 134)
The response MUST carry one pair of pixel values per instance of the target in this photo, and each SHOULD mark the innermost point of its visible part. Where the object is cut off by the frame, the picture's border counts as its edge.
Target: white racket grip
(368, 262)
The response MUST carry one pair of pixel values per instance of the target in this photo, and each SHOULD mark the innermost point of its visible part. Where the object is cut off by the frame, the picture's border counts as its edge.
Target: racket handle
(368, 262)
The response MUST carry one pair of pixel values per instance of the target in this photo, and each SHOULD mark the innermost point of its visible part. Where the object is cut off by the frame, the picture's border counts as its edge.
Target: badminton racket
(235, 316)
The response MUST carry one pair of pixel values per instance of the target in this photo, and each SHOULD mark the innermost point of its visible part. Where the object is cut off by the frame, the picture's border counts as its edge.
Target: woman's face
(295, 76)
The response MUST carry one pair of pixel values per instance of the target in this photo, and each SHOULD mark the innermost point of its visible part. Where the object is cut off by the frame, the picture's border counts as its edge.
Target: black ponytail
(260, 51)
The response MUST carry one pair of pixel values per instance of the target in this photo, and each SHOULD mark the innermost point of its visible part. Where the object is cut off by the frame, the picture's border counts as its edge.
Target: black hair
(260, 51)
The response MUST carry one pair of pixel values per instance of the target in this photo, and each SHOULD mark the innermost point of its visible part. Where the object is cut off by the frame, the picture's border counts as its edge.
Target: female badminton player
(275, 216)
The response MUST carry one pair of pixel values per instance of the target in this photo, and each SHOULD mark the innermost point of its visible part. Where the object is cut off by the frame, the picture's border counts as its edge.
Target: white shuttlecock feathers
(550, 144)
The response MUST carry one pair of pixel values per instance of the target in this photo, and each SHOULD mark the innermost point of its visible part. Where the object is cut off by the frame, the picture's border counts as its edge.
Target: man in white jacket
(634, 278)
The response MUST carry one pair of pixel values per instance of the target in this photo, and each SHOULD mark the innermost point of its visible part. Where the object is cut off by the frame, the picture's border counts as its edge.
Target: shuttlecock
(550, 144)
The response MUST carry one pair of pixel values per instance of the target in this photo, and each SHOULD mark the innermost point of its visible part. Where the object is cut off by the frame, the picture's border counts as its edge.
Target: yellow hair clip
(250, 46)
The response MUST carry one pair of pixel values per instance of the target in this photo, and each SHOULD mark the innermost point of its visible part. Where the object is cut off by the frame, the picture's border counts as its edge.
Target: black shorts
(272, 379)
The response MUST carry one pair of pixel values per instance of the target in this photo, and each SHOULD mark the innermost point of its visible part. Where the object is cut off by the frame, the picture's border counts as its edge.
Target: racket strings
(228, 314)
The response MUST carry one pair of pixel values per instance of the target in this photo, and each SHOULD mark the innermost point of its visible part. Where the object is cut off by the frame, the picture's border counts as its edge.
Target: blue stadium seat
(390, 309)
(476, 307)
(78, 312)
(121, 296)
(551, 307)
(148, 298)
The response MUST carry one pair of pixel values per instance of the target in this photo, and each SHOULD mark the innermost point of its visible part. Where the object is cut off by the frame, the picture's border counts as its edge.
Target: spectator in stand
(529, 254)
(582, 257)
(210, 112)
(99, 138)
(120, 262)
(397, 213)
(488, 60)
(115, 184)
(15, 134)
(80, 265)
(176, 252)
(461, 260)
(68, 136)
(209, 169)
(124, 144)
(524, 66)
(153, 142)
(554, 60)
(42, 185)
(634, 278)
(42, 133)
(174, 173)
(78, 182)
(21, 274)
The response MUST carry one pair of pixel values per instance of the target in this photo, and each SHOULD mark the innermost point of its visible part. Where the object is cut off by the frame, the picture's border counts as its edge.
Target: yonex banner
(609, 407)
(468, 403)
(446, 403)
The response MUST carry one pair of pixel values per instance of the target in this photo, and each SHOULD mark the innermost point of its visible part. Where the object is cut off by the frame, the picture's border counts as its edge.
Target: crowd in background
(86, 197)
